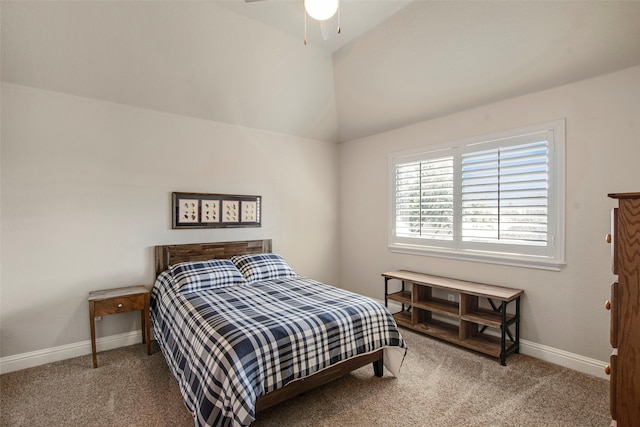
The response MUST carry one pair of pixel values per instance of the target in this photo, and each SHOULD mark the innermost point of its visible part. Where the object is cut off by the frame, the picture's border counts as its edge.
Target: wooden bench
(459, 319)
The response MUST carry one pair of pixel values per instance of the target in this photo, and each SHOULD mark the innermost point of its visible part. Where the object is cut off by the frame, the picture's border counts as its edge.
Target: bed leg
(378, 367)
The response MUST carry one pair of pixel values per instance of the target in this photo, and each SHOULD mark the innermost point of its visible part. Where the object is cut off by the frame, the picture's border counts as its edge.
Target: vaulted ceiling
(436, 58)
(244, 63)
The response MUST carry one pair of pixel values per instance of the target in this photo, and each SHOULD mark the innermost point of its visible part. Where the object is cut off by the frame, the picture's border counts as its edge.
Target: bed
(241, 331)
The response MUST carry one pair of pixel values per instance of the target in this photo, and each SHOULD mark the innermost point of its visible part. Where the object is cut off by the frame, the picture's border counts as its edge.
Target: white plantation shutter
(424, 199)
(407, 196)
(505, 194)
(496, 198)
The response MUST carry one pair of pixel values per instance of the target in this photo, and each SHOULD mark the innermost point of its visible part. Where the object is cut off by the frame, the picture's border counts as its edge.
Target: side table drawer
(119, 305)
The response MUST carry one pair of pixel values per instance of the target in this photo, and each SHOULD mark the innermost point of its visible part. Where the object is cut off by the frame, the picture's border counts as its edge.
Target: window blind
(424, 199)
(490, 198)
(505, 195)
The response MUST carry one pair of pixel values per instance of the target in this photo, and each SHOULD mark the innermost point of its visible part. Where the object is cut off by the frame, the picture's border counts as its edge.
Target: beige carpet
(439, 385)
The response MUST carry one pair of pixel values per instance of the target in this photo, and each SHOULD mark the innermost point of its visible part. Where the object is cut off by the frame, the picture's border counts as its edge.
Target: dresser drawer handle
(607, 305)
(607, 370)
(608, 238)
(119, 305)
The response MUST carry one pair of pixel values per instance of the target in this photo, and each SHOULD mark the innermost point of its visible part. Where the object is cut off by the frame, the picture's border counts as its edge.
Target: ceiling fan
(320, 10)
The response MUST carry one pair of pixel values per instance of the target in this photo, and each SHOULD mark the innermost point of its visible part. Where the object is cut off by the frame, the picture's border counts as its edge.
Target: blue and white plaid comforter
(229, 346)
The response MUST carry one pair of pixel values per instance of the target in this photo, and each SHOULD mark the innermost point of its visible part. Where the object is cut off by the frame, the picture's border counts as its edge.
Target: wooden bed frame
(171, 254)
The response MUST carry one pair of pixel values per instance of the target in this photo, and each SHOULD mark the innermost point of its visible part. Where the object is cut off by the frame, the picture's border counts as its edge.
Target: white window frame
(549, 257)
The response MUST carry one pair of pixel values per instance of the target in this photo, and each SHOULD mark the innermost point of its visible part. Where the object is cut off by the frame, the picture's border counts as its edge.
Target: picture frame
(205, 210)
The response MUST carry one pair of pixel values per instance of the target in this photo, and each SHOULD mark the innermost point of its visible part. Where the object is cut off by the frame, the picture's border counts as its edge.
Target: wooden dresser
(624, 366)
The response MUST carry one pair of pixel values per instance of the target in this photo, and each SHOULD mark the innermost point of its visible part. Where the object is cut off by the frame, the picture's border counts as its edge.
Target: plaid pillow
(201, 275)
(257, 267)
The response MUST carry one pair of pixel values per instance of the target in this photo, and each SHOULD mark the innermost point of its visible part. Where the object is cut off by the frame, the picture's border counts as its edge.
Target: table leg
(92, 322)
(143, 327)
(147, 324)
(503, 338)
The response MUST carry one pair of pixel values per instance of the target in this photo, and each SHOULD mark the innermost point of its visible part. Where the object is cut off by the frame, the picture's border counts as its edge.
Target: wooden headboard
(167, 255)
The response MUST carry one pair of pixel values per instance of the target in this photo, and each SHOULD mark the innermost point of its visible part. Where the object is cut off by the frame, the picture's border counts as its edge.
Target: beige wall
(86, 189)
(563, 310)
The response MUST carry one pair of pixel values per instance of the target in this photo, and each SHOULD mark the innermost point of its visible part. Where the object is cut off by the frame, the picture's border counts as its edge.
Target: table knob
(607, 305)
(607, 370)
(119, 305)
(608, 238)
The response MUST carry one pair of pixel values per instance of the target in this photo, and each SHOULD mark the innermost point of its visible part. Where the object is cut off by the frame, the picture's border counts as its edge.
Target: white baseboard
(563, 358)
(68, 351)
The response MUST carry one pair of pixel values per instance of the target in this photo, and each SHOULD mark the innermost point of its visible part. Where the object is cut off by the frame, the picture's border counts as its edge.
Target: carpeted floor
(439, 385)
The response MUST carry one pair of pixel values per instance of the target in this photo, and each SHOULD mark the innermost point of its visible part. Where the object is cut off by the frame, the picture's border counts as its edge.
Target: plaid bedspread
(229, 346)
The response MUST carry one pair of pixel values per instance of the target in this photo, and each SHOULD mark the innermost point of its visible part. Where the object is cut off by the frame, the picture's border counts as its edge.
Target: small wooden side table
(120, 300)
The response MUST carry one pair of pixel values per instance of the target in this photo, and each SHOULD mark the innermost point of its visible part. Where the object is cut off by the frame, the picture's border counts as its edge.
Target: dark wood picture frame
(204, 210)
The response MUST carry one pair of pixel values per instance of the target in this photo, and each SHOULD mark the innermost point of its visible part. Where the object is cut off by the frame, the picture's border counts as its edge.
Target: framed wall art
(201, 210)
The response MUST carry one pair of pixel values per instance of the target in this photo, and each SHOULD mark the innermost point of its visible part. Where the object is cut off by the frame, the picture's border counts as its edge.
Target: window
(495, 198)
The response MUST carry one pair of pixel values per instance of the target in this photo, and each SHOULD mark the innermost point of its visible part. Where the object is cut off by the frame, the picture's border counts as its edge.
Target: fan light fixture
(320, 10)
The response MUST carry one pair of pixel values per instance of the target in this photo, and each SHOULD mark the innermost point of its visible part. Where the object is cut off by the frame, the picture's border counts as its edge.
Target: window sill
(542, 263)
